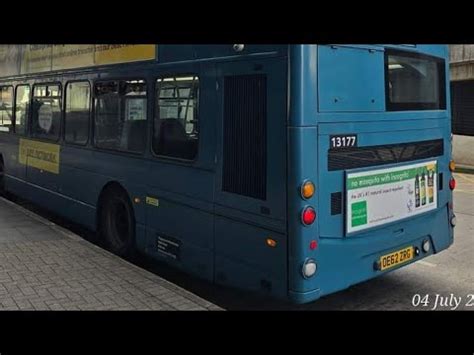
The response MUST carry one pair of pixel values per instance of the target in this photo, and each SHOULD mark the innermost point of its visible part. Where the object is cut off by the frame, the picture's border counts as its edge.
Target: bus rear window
(414, 82)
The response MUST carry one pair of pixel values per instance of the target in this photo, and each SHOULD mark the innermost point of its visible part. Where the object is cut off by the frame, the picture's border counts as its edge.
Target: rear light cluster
(453, 221)
(452, 181)
(452, 165)
(309, 268)
(308, 215)
(452, 184)
(307, 189)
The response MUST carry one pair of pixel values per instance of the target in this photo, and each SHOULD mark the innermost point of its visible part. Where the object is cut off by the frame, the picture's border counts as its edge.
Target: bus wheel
(118, 223)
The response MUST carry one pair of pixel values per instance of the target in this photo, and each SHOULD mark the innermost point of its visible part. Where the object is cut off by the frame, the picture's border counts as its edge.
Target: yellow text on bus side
(40, 155)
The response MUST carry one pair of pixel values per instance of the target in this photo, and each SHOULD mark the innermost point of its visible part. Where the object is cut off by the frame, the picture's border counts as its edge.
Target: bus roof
(20, 60)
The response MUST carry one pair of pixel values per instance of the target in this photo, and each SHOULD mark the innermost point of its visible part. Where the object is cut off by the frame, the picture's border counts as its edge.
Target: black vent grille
(361, 157)
(245, 136)
(336, 203)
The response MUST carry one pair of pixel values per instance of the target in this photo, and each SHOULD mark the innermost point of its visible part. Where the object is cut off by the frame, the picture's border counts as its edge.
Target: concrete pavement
(45, 267)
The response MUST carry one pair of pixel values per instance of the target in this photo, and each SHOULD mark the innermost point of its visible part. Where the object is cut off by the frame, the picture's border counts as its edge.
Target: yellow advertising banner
(123, 53)
(9, 59)
(67, 56)
(44, 156)
(36, 58)
(46, 57)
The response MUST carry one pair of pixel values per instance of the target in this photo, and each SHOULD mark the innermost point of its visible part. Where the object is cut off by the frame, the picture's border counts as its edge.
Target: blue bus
(291, 170)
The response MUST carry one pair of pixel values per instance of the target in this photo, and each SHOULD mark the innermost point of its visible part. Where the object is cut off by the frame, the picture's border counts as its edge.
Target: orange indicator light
(271, 242)
(307, 190)
(452, 165)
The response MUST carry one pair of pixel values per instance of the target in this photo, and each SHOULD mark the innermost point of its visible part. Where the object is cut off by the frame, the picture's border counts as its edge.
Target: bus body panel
(244, 259)
(9, 146)
(350, 88)
(302, 166)
(244, 223)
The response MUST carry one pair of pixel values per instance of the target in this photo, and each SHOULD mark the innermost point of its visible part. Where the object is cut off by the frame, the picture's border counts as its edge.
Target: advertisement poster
(9, 55)
(123, 53)
(381, 196)
(135, 109)
(68, 56)
(37, 58)
(45, 117)
(40, 155)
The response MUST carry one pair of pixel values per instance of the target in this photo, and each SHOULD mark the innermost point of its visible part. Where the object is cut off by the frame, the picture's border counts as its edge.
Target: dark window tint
(120, 115)
(6, 108)
(462, 102)
(77, 112)
(176, 117)
(22, 108)
(46, 111)
(414, 82)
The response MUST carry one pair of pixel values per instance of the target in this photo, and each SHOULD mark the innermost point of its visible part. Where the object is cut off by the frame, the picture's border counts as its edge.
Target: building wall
(462, 94)
(461, 57)
(463, 147)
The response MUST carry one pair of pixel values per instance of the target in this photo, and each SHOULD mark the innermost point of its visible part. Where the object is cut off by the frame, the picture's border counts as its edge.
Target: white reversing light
(309, 268)
(453, 221)
(426, 246)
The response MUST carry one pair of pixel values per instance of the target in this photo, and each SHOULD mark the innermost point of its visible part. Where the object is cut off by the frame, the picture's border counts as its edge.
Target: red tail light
(308, 216)
(452, 184)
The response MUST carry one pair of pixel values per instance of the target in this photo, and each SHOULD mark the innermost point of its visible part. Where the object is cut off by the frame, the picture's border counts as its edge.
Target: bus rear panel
(369, 126)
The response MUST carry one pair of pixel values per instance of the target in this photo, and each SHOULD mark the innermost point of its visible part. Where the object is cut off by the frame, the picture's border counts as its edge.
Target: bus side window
(22, 108)
(46, 109)
(6, 108)
(76, 118)
(120, 115)
(176, 129)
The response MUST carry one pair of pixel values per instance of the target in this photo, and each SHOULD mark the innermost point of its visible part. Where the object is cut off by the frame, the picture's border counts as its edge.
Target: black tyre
(117, 223)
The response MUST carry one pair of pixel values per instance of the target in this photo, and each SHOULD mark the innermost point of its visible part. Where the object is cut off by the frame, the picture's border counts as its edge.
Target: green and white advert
(381, 196)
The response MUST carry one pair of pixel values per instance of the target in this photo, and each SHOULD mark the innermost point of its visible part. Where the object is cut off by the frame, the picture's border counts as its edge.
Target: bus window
(414, 82)
(120, 115)
(46, 108)
(176, 117)
(22, 108)
(77, 112)
(6, 108)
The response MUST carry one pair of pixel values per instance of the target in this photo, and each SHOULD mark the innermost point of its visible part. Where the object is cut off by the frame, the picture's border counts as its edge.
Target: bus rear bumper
(303, 297)
(358, 263)
(344, 262)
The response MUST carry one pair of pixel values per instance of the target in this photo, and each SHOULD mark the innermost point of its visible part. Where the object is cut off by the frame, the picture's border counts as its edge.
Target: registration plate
(388, 261)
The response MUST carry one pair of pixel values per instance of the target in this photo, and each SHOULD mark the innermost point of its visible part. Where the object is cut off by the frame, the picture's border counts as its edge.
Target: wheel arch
(106, 189)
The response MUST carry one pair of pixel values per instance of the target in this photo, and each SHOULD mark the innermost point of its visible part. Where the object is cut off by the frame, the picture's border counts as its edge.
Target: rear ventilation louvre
(361, 157)
(245, 136)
